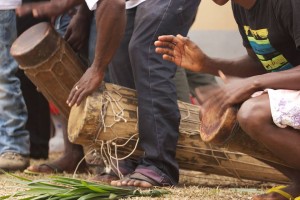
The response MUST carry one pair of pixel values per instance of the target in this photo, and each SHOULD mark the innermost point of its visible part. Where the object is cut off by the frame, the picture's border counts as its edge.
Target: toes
(142, 184)
(116, 183)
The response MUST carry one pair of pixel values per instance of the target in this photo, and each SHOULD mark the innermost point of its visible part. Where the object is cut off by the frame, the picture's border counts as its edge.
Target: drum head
(216, 127)
(35, 45)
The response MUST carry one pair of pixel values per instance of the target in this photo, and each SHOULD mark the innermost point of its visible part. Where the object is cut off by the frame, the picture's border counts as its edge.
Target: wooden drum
(223, 130)
(109, 117)
(49, 62)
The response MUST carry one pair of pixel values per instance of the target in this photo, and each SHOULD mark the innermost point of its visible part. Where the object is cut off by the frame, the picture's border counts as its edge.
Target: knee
(253, 116)
(134, 47)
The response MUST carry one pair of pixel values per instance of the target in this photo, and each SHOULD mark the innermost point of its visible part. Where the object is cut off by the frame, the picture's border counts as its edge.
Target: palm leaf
(64, 188)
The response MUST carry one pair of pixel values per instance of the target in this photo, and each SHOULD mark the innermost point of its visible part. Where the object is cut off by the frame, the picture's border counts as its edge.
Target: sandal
(279, 190)
(140, 180)
(140, 177)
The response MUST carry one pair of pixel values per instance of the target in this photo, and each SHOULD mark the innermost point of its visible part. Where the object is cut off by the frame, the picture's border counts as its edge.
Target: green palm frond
(63, 188)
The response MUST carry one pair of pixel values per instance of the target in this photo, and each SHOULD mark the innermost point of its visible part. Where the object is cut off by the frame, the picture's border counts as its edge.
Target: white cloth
(9, 4)
(133, 3)
(92, 4)
(285, 107)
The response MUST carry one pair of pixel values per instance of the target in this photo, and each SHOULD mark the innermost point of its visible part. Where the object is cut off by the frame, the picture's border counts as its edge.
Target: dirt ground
(193, 185)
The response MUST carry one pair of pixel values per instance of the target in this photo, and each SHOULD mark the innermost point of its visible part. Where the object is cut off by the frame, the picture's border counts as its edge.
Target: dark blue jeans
(136, 65)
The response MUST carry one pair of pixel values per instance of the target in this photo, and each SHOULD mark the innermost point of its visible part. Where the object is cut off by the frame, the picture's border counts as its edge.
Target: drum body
(109, 116)
(222, 129)
(49, 62)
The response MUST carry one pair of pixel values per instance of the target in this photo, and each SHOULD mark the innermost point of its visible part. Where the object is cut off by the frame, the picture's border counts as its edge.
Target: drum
(49, 62)
(105, 123)
(222, 129)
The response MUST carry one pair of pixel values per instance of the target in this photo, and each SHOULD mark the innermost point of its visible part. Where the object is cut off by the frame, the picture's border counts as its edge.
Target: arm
(77, 33)
(110, 22)
(51, 8)
(187, 54)
(236, 91)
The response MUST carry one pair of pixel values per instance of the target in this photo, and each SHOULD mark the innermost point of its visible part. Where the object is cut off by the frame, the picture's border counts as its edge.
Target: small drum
(49, 62)
(108, 117)
(223, 130)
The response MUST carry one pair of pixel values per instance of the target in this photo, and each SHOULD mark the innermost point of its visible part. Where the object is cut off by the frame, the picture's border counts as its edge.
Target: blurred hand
(49, 9)
(233, 92)
(181, 51)
(77, 33)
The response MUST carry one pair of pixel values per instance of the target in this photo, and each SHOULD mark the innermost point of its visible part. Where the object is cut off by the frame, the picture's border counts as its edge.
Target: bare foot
(137, 180)
(66, 163)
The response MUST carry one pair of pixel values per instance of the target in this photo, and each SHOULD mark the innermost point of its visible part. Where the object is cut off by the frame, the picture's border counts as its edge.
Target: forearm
(110, 22)
(244, 66)
(288, 79)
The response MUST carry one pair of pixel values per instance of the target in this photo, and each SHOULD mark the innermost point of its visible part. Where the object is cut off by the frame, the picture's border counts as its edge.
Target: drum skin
(49, 62)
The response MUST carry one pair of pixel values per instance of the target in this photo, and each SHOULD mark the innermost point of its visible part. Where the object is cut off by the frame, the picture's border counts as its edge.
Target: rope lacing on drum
(187, 118)
(108, 150)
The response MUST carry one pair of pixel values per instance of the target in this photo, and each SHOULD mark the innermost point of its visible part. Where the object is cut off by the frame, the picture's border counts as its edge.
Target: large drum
(222, 129)
(49, 62)
(106, 124)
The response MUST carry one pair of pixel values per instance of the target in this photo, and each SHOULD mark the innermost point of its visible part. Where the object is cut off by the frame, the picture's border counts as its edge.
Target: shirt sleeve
(238, 18)
(288, 15)
(92, 4)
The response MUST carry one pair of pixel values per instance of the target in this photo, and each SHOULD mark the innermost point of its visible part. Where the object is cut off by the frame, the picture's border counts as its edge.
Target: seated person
(269, 90)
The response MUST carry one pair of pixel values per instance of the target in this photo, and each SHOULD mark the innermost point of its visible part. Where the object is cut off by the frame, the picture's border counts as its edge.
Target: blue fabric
(136, 65)
(62, 23)
(13, 112)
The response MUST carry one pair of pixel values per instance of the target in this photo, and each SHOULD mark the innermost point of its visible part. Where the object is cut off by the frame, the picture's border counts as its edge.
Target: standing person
(136, 65)
(14, 138)
(269, 90)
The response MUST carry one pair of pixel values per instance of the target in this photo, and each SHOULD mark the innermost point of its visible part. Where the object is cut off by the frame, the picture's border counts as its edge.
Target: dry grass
(193, 185)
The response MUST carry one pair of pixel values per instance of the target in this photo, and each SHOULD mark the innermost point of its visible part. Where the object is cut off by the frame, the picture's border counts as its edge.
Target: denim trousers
(136, 65)
(13, 112)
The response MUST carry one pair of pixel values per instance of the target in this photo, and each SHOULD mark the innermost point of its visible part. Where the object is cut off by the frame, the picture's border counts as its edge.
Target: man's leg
(120, 69)
(14, 138)
(157, 100)
(255, 119)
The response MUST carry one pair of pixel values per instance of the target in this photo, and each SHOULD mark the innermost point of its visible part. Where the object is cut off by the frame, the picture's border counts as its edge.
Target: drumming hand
(233, 92)
(47, 9)
(87, 84)
(78, 30)
(181, 51)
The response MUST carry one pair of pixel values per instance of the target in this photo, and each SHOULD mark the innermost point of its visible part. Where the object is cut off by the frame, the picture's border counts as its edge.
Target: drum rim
(16, 49)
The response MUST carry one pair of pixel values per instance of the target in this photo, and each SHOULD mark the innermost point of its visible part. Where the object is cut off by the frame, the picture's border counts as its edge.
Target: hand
(181, 51)
(51, 8)
(87, 84)
(234, 91)
(77, 33)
